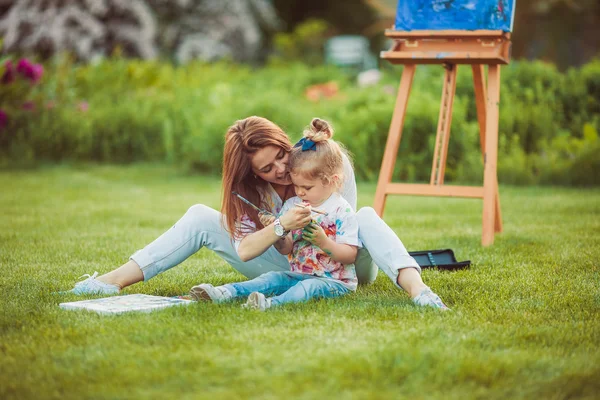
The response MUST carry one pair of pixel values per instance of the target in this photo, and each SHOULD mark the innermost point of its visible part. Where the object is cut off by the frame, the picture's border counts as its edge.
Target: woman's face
(271, 164)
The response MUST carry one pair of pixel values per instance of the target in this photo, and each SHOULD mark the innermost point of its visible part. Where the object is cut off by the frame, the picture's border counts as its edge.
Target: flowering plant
(17, 84)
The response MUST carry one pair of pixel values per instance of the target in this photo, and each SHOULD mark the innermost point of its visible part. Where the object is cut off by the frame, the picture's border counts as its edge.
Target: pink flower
(33, 72)
(83, 106)
(24, 67)
(50, 105)
(3, 120)
(9, 73)
(38, 71)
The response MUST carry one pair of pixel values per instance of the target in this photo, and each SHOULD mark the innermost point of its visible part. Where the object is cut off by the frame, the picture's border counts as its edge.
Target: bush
(119, 110)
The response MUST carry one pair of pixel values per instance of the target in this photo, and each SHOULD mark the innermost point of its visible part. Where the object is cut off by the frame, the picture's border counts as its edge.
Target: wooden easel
(450, 48)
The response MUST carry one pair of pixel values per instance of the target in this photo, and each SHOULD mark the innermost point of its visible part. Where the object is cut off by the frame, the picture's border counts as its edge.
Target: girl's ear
(336, 180)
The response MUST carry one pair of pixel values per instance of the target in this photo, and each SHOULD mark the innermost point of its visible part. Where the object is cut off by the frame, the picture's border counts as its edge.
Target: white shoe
(430, 299)
(258, 301)
(91, 285)
(207, 292)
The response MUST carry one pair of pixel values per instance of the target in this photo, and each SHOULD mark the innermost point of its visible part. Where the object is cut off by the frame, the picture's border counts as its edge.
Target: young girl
(322, 253)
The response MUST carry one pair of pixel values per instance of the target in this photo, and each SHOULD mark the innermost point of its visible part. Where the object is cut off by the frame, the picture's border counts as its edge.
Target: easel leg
(393, 139)
(438, 168)
(490, 178)
(480, 101)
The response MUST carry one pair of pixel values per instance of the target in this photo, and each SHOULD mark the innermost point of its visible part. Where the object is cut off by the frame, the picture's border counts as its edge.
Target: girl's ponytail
(318, 130)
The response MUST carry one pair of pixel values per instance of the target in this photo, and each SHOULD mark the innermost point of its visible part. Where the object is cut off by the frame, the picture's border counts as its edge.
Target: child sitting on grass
(322, 254)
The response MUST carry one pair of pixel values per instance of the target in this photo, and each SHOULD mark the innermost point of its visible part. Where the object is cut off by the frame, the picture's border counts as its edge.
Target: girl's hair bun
(319, 130)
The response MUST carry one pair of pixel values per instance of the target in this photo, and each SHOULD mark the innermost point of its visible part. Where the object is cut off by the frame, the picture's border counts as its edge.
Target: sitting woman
(255, 165)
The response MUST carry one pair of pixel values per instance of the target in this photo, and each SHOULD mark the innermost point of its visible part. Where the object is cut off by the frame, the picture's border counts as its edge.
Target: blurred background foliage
(122, 109)
(125, 110)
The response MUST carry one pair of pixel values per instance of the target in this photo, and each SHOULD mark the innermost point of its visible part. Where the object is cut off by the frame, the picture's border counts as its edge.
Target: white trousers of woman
(201, 227)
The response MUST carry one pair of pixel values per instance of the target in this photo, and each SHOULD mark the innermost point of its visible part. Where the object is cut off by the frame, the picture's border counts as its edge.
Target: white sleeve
(349, 187)
(346, 227)
(245, 226)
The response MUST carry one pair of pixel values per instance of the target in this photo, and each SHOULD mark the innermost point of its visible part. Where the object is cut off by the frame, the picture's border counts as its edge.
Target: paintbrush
(270, 213)
(312, 209)
(252, 205)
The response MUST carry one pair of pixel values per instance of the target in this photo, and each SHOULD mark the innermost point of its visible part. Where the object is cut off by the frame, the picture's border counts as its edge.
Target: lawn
(525, 320)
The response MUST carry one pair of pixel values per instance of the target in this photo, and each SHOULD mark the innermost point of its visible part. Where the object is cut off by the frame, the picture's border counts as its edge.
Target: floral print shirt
(339, 225)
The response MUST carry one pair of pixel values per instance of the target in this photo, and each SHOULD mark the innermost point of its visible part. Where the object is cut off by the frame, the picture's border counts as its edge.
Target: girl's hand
(295, 218)
(266, 219)
(313, 233)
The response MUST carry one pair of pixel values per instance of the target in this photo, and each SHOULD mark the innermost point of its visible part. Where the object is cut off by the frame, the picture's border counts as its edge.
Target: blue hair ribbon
(306, 144)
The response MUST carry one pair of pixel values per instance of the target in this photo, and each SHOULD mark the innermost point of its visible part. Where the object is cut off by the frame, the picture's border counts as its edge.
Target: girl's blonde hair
(322, 161)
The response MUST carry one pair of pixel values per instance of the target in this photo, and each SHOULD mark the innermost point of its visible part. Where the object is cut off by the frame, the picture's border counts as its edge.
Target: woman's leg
(127, 274)
(199, 227)
(388, 252)
(366, 270)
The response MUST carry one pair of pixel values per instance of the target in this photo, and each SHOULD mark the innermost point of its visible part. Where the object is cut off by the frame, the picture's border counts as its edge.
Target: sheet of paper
(123, 304)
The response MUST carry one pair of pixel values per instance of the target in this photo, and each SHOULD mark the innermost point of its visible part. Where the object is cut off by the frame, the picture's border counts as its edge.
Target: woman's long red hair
(243, 139)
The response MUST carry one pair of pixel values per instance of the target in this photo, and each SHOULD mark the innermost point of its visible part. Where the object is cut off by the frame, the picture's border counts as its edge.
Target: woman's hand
(295, 218)
(266, 219)
(314, 234)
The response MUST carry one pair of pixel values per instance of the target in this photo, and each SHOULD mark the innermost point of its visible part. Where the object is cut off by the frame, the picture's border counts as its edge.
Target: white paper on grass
(123, 304)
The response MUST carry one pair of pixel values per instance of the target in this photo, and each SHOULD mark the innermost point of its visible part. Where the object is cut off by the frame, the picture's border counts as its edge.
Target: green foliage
(304, 44)
(121, 110)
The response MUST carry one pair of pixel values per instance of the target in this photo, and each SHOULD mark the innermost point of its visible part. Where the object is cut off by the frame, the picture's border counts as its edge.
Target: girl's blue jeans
(289, 287)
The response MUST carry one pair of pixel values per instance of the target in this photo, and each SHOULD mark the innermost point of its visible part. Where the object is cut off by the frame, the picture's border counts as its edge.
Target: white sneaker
(91, 285)
(430, 299)
(207, 292)
(258, 301)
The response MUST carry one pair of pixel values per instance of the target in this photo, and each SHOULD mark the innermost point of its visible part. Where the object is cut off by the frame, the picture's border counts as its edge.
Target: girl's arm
(256, 243)
(344, 253)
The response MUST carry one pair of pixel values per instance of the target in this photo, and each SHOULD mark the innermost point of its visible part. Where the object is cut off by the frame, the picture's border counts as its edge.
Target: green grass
(525, 320)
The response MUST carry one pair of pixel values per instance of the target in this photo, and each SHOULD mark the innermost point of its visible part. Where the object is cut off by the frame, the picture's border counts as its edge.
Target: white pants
(201, 227)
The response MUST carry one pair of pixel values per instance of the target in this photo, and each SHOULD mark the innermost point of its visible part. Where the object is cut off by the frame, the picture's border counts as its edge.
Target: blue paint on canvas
(455, 14)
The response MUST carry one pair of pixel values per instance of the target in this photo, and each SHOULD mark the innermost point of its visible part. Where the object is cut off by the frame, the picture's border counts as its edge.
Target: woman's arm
(348, 191)
(284, 246)
(256, 243)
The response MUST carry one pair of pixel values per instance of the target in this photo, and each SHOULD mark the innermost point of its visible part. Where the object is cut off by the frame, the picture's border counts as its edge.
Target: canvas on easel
(451, 33)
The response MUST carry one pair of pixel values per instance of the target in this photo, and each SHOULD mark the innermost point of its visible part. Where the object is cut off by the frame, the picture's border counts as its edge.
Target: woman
(255, 165)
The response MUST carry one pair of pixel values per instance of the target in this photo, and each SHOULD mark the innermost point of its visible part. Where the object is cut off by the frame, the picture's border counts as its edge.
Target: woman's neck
(284, 191)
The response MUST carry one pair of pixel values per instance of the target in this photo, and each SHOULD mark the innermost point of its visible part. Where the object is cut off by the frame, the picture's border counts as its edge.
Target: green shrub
(305, 43)
(120, 110)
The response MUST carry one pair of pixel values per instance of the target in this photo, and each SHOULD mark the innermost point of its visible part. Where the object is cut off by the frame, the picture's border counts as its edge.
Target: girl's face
(312, 191)
(271, 164)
